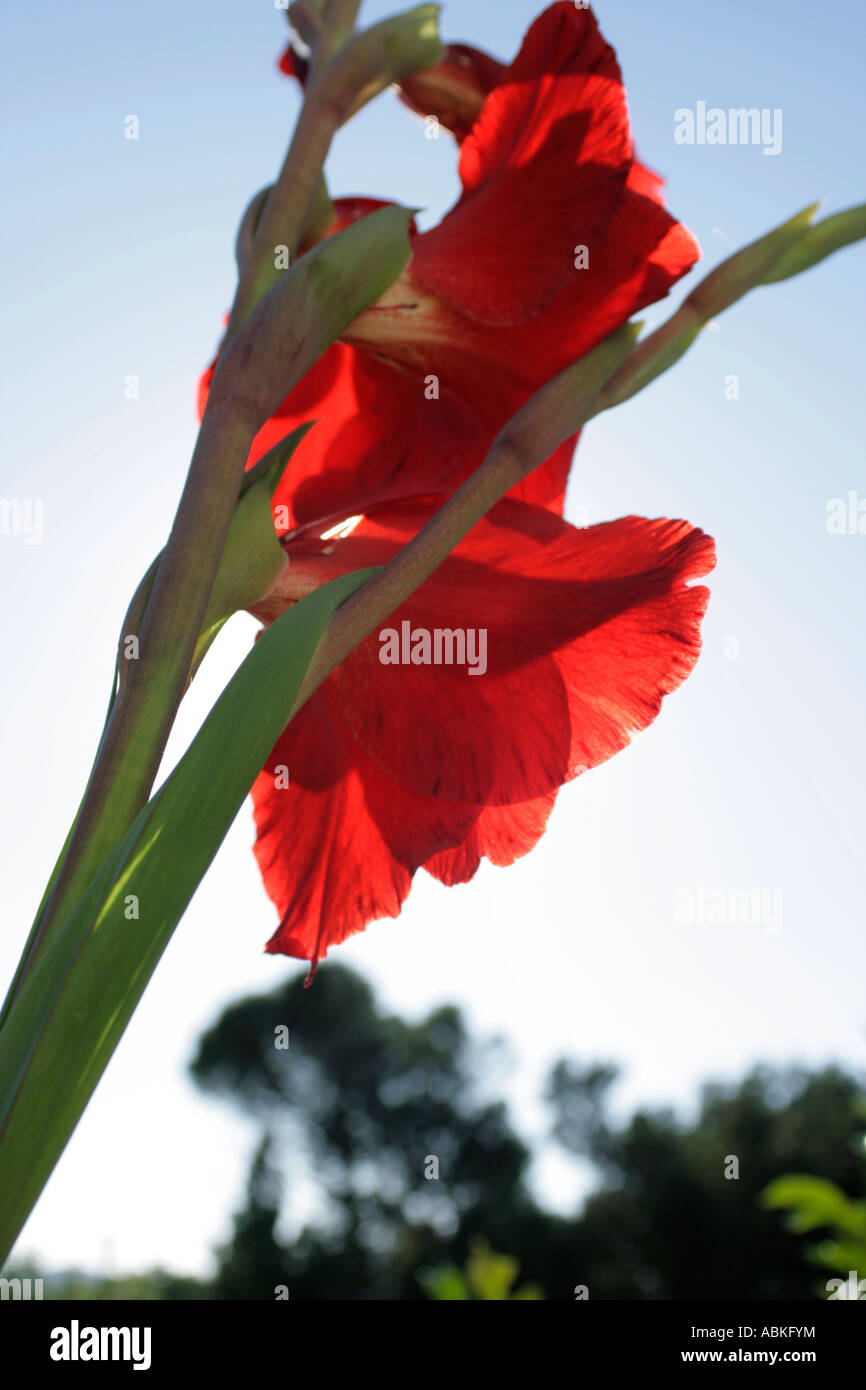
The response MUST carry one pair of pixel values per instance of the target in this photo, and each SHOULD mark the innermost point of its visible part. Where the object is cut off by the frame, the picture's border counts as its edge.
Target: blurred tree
(679, 1213)
(254, 1260)
(410, 1160)
(406, 1161)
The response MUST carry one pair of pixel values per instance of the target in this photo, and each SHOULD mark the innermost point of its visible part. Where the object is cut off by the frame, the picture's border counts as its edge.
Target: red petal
(324, 863)
(501, 834)
(337, 847)
(586, 630)
(545, 167)
(643, 253)
(646, 181)
(498, 298)
(378, 437)
(375, 438)
(293, 65)
(395, 767)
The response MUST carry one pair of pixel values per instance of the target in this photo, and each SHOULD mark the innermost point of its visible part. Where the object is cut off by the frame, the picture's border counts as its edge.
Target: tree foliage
(360, 1101)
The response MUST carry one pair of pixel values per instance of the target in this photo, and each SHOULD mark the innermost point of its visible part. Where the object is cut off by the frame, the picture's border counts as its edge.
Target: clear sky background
(118, 260)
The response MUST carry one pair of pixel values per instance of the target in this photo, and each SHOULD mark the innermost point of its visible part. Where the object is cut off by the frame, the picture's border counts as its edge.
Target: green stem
(341, 16)
(143, 713)
(347, 70)
(281, 217)
(151, 687)
(745, 270)
(283, 214)
(275, 347)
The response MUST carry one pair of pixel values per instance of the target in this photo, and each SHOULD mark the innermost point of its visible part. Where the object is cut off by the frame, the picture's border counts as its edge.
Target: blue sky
(118, 261)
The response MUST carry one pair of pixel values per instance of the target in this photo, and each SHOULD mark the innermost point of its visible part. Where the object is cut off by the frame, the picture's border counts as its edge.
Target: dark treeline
(412, 1162)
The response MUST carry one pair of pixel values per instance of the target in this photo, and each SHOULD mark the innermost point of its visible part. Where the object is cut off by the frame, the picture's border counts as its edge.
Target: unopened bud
(454, 89)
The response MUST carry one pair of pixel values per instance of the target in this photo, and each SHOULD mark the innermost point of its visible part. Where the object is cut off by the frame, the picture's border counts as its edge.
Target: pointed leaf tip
(820, 240)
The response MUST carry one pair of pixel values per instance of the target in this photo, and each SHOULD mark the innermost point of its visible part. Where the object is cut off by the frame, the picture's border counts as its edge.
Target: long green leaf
(80, 995)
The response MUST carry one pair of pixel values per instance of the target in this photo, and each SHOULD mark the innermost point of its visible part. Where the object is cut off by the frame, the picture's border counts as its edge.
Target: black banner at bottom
(83, 1339)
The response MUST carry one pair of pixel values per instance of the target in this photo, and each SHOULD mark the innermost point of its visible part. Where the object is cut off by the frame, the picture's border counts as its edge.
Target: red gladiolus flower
(402, 760)
(558, 238)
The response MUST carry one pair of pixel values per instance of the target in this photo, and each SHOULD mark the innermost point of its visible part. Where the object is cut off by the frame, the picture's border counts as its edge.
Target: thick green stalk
(282, 338)
(277, 344)
(348, 70)
(795, 246)
(144, 711)
(341, 16)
